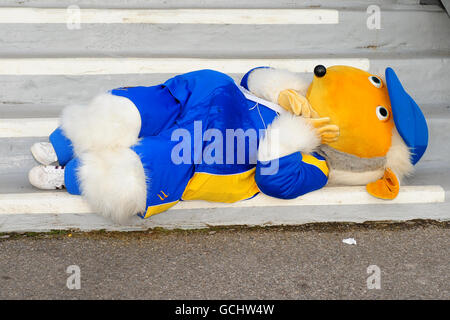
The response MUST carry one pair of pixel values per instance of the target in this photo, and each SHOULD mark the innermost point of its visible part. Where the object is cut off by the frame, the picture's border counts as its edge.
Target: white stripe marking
(186, 16)
(90, 66)
(61, 202)
(27, 127)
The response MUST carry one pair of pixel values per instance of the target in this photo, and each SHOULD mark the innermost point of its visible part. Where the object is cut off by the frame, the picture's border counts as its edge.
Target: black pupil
(376, 80)
(383, 112)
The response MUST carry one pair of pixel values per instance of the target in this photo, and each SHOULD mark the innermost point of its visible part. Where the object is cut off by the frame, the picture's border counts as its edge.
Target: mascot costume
(140, 150)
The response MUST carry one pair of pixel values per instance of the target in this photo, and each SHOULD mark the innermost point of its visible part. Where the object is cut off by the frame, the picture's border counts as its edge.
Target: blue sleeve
(291, 176)
(244, 81)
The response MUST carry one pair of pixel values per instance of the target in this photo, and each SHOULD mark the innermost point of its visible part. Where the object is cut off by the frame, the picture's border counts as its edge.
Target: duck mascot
(199, 135)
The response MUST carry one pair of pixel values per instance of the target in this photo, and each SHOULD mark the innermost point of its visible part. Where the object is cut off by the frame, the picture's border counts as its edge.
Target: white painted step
(425, 78)
(102, 66)
(174, 4)
(59, 210)
(349, 36)
(62, 202)
(75, 14)
(27, 127)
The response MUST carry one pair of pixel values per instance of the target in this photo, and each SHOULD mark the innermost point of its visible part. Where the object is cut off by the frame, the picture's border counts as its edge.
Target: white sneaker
(44, 153)
(47, 177)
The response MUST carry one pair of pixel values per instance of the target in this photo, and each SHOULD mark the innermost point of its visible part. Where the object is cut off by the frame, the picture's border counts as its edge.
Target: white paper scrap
(349, 241)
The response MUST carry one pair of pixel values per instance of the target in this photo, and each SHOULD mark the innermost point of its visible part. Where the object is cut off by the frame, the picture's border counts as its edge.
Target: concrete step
(244, 4)
(425, 195)
(401, 31)
(19, 133)
(425, 77)
(44, 66)
(45, 211)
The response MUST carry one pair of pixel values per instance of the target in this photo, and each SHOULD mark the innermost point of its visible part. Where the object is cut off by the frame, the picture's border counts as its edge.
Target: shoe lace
(55, 175)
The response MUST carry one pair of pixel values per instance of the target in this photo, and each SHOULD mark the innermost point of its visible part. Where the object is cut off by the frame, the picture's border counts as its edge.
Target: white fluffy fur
(114, 183)
(268, 83)
(108, 121)
(398, 158)
(287, 134)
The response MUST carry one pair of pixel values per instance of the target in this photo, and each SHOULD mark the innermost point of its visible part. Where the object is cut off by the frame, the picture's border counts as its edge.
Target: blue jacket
(200, 134)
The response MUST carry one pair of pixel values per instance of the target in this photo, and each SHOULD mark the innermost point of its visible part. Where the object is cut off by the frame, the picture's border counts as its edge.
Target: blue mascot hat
(408, 117)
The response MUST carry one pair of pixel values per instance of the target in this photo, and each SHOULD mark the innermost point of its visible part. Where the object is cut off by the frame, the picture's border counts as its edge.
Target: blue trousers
(65, 154)
(158, 110)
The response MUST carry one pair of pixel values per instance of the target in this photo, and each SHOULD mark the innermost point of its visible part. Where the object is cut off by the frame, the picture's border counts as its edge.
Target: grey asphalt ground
(307, 262)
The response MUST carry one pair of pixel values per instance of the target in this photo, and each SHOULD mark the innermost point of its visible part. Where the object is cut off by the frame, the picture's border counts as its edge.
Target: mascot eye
(375, 81)
(382, 113)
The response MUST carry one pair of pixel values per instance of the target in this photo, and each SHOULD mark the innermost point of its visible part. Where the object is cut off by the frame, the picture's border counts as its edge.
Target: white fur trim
(398, 158)
(267, 83)
(349, 178)
(108, 121)
(114, 183)
(287, 134)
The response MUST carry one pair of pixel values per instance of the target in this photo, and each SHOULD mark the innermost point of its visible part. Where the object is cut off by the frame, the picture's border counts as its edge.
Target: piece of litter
(349, 241)
(4, 237)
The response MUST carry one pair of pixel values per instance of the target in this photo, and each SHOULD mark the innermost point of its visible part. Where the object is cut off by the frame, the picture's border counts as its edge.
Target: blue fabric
(205, 102)
(244, 81)
(166, 180)
(71, 181)
(289, 177)
(157, 107)
(213, 100)
(200, 105)
(408, 118)
(62, 145)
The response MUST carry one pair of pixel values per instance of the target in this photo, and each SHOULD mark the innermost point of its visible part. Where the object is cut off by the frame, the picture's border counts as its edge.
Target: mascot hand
(385, 188)
(327, 132)
(292, 101)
